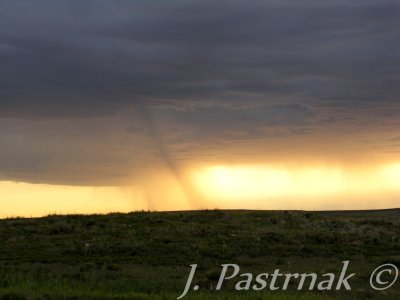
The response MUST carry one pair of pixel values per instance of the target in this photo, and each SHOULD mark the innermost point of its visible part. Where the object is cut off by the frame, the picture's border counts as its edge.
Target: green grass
(146, 255)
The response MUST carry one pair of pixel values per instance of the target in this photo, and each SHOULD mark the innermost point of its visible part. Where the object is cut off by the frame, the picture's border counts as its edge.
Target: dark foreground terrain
(146, 255)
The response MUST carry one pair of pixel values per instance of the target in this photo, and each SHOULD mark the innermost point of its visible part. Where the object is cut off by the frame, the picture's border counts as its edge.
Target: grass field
(146, 255)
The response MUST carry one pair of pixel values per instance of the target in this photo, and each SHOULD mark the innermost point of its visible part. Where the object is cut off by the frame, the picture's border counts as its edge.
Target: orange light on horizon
(21, 199)
(391, 173)
(224, 186)
(254, 182)
(280, 187)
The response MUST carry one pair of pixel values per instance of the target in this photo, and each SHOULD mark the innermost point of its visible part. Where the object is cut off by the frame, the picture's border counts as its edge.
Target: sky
(167, 105)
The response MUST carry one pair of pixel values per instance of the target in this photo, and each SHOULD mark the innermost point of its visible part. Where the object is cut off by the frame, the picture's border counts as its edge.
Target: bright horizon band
(223, 187)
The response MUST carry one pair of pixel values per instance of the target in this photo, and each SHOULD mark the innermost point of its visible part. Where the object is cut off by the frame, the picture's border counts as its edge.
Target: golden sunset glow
(240, 182)
(252, 186)
(266, 186)
(33, 200)
(391, 175)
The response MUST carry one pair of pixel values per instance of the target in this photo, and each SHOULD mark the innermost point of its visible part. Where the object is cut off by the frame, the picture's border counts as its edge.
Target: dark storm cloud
(82, 83)
(84, 58)
(79, 151)
(209, 121)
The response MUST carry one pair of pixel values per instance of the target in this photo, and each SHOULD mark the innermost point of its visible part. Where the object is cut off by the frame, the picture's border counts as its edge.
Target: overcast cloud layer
(92, 91)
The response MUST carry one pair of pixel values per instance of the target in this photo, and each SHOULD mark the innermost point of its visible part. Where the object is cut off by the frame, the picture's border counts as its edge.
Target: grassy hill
(146, 255)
